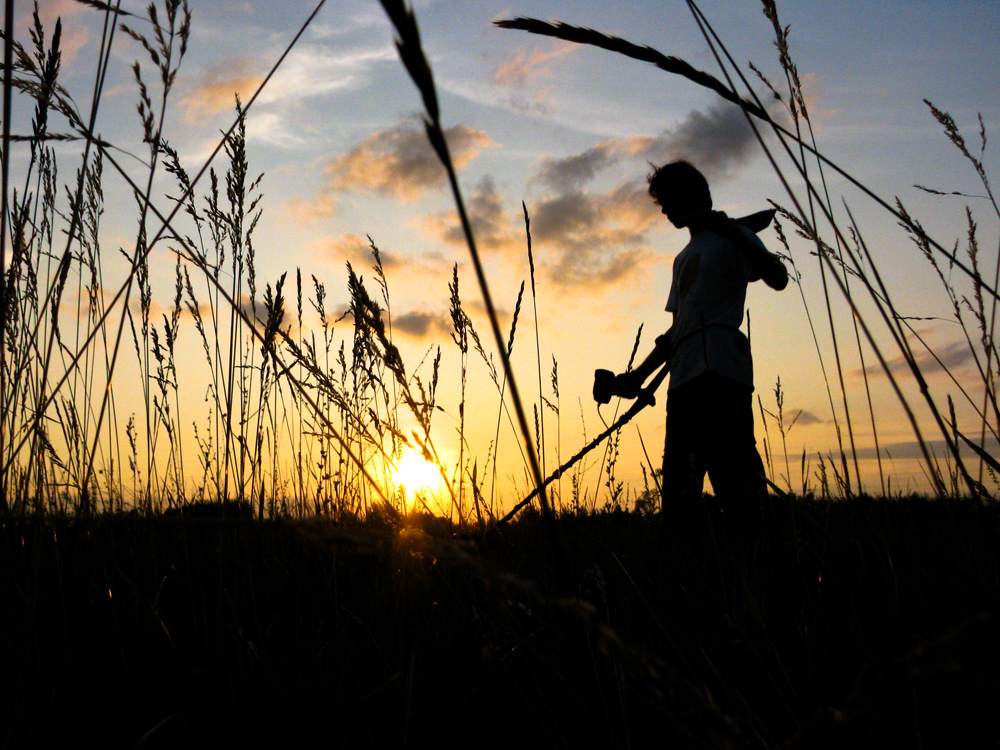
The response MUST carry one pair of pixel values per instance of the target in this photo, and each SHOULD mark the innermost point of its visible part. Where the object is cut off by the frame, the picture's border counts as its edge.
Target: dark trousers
(710, 429)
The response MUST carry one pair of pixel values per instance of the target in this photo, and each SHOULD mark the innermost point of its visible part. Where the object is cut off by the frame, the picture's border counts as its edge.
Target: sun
(416, 473)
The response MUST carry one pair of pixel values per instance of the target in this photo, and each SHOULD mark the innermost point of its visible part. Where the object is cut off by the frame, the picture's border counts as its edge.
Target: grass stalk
(538, 347)
(8, 88)
(411, 53)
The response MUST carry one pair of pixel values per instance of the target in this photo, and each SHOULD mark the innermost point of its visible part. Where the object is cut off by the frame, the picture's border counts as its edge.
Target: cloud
(587, 237)
(316, 69)
(717, 140)
(494, 228)
(814, 93)
(74, 33)
(579, 237)
(593, 238)
(216, 90)
(519, 76)
(324, 205)
(937, 448)
(806, 418)
(420, 324)
(524, 65)
(584, 237)
(950, 356)
(576, 170)
(399, 162)
(355, 249)
(310, 70)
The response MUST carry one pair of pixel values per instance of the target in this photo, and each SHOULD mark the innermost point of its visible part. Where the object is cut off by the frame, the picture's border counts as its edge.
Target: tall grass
(304, 412)
(307, 411)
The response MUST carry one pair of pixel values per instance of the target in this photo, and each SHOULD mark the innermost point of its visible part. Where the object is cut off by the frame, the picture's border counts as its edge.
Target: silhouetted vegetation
(841, 624)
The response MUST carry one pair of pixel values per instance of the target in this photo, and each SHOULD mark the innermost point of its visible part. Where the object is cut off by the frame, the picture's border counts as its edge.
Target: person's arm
(766, 265)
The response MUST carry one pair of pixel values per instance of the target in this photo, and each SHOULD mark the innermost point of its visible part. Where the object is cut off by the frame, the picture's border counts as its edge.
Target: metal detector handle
(645, 398)
(646, 394)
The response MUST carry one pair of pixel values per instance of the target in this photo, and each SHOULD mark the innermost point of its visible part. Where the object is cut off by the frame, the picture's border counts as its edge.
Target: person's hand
(628, 384)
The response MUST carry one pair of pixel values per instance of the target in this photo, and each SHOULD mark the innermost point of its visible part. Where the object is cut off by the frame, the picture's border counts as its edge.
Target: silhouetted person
(709, 401)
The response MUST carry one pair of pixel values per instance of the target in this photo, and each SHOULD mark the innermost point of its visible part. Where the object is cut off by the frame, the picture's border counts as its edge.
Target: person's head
(680, 190)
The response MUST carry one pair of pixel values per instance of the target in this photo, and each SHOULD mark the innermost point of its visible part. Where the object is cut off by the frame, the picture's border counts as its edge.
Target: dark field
(853, 624)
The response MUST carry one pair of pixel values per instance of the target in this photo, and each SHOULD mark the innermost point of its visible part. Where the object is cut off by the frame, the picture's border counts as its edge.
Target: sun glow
(417, 474)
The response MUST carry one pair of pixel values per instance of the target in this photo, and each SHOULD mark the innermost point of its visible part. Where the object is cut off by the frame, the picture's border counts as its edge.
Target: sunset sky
(570, 131)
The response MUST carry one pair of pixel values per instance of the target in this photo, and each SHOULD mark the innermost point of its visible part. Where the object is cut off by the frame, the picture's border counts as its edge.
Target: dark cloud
(950, 356)
(420, 324)
(400, 162)
(492, 225)
(593, 238)
(578, 169)
(937, 449)
(717, 140)
(587, 237)
(579, 237)
(584, 237)
(596, 267)
(573, 172)
(806, 418)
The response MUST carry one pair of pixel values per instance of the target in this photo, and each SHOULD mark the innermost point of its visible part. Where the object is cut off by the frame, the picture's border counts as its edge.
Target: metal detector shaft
(645, 399)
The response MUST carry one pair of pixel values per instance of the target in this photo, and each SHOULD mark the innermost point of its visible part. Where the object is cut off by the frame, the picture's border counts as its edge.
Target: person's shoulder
(691, 246)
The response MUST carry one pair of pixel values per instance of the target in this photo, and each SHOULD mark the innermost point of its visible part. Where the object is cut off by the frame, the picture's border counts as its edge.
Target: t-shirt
(707, 298)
